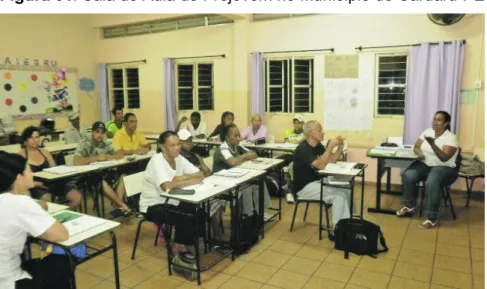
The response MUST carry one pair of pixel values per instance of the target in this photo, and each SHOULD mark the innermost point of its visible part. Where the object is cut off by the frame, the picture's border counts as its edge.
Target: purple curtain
(103, 92)
(169, 94)
(257, 84)
(433, 83)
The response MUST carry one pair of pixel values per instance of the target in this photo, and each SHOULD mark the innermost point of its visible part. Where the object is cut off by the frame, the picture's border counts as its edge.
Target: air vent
(264, 17)
(165, 25)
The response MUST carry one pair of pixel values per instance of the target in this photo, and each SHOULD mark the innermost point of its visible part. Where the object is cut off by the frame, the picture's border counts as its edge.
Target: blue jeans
(435, 179)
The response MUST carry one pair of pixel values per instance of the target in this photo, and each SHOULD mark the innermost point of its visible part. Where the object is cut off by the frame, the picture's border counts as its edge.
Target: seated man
(167, 170)
(96, 149)
(128, 139)
(196, 127)
(76, 133)
(295, 135)
(311, 156)
(117, 123)
(216, 205)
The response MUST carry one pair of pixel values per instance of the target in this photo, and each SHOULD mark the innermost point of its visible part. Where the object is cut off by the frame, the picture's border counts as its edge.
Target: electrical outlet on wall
(478, 84)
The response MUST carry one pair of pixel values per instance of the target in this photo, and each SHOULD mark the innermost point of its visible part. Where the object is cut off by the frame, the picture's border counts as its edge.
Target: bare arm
(206, 170)
(56, 233)
(183, 181)
(417, 148)
(49, 158)
(445, 153)
(334, 157)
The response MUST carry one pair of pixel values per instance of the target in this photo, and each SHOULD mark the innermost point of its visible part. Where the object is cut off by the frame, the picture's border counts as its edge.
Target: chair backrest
(133, 184)
(68, 159)
(209, 162)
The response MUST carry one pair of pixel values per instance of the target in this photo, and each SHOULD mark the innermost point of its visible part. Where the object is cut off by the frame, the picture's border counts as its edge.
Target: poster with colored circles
(36, 93)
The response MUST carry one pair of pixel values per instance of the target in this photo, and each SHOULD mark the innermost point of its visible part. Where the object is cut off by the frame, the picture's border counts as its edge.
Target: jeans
(435, 180)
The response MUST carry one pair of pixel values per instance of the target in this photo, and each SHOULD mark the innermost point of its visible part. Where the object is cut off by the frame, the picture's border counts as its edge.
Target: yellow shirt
(122, 141)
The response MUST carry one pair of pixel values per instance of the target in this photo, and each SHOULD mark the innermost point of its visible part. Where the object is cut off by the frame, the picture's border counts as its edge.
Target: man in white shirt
(168, 170)
(195, 126)
(76, 133)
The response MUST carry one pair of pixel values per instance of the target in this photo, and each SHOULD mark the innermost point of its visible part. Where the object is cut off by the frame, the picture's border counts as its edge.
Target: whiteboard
(34, 92)
(349, 102)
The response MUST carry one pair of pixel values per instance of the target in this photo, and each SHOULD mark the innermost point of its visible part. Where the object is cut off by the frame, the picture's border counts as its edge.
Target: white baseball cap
(184, 134)
(299, 117)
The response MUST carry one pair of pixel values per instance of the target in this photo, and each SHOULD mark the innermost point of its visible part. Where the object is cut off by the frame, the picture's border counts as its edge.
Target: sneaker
(184, 268)
(220, 249)
(428, 224)
(405, 211)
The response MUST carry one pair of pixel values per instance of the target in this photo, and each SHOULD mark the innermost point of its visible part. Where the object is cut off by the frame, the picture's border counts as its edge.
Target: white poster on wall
(349, 102)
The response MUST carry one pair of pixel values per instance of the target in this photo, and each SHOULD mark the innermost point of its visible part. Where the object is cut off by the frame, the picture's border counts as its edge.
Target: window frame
(377, 86)
(125, 89)
(291, 85)
(196, 86)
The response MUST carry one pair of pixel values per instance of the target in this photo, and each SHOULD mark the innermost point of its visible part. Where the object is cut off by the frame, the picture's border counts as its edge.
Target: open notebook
(76, 223)
(233, 172)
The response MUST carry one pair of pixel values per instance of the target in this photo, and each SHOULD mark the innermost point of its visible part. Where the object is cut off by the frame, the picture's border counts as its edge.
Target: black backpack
(360, 237)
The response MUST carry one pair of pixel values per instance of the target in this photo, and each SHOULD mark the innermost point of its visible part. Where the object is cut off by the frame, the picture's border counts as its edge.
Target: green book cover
(66, 217)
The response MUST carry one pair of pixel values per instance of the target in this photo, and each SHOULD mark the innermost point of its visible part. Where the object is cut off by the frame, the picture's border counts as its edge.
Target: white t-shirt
(159, 171)
(446, 139)
(194, 132)
(20, 216)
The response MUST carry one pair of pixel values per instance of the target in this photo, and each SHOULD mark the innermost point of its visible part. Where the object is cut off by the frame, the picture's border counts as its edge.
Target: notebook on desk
(233, 172)
(78, 223)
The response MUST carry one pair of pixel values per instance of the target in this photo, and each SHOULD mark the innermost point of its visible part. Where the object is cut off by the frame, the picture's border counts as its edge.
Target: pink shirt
(248, 133)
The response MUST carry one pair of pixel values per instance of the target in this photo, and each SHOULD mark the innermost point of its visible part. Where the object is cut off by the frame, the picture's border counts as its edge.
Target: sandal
(428, 224)
(405, 211)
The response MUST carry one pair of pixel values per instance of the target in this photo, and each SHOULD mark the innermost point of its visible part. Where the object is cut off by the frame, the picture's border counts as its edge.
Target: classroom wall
(344, 32)
(69, 39)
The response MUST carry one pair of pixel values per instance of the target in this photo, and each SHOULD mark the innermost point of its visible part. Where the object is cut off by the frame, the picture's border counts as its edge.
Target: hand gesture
(183, 119)
(430, 140)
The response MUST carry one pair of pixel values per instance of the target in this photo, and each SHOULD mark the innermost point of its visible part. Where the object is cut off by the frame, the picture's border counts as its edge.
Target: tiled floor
(450, 256)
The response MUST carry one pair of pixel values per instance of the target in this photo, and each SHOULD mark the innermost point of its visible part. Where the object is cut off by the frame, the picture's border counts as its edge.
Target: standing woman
(26, 217)
(437, 149)
(227, 119)
(39, 159)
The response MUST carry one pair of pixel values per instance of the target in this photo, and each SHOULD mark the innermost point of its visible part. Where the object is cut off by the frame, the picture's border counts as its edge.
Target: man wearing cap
(128, 139)
(75, 133)
(295, 135)
(216, 205)
(96, 149)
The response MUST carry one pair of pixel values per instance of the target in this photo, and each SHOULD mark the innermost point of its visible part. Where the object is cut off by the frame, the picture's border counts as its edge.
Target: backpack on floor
(360, 237)
(274, 186)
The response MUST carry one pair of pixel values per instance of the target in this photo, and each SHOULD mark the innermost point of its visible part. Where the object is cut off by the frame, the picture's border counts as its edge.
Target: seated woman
(39, 159)
(26, 217)
(256, 130)
(167, 170)
(437, 149)
(230, 154)
(227, 119)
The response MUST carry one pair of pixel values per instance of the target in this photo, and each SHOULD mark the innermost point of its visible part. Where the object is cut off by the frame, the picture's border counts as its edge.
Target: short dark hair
(195, 114)
(115, 109)
(446, 116)
(127, 116)
(225, 130)
(12, 166)
(225, 114)
(163, 138)
(28, 132)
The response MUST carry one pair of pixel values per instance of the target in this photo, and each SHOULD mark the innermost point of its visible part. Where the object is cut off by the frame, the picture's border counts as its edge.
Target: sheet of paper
(340, 167)
(104, 163)
(60, 170)
(218, 181)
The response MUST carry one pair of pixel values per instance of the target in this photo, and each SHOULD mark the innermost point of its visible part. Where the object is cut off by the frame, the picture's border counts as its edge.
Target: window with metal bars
(289, 85)
(391, 84)
(194, 86)
(124, 87)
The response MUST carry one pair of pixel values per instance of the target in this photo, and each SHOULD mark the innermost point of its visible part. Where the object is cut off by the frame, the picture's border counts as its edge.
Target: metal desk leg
(115, 260)
(261, 204)
(197, 247)
(362, 196)
(321, 209)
